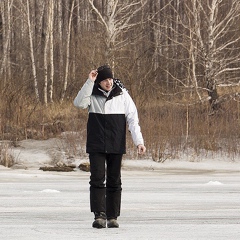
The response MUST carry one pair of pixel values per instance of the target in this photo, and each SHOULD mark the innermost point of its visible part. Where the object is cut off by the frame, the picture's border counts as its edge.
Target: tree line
(164, 48)
(178, 59)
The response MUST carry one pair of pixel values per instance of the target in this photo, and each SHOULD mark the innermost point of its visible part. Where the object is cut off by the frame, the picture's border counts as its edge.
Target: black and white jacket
(108, 114)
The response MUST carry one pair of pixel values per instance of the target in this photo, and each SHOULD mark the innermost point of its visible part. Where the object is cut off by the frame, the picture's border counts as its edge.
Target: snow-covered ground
(174, 200)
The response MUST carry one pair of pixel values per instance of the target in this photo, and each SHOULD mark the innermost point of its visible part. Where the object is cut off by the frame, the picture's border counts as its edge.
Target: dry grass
(169, 129)
(6, 158)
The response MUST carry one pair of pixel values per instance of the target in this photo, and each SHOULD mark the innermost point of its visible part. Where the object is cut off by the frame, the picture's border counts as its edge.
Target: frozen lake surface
(165, 203)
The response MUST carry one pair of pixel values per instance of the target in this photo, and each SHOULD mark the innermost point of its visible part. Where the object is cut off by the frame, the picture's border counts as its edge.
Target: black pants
(105, 183)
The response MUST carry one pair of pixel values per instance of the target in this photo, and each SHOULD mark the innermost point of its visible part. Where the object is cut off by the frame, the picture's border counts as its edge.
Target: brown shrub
(168, 128)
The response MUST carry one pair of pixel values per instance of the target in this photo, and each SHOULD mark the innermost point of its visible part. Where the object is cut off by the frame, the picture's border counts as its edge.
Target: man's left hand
(141, 149)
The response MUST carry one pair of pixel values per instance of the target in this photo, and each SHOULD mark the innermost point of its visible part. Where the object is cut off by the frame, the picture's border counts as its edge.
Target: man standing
(110, 109)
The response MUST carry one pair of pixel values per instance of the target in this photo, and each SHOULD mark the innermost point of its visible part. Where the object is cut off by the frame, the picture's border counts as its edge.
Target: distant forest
(178, 59)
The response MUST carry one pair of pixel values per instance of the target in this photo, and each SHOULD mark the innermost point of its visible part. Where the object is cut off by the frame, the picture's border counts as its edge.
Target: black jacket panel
(106, 133)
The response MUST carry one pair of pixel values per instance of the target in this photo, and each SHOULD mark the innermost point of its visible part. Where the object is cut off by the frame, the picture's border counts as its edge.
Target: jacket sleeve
(83, 98)
(132, 120)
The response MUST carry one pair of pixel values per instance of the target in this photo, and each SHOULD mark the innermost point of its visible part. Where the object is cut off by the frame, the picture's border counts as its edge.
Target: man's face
(106, 84)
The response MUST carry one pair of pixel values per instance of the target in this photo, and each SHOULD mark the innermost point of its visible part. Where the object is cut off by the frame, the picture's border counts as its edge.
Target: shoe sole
(98, 226)
(113, 226)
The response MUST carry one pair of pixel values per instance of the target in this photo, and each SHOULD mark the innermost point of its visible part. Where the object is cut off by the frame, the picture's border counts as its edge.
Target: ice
(172, 200)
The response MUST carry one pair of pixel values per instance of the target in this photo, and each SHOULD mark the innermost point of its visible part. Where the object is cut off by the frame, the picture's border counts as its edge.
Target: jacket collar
(116, 90)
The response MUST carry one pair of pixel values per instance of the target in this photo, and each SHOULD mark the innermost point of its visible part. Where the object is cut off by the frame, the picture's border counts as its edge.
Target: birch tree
(48, 53)
(31, 43)
(209, 38)
(68, 33)
(51, 50)
(218, 41)
(5, 7)
(60, 38)
(45, 53)
(117, 18)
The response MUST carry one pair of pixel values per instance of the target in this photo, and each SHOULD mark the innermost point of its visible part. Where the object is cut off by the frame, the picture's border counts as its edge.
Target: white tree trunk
(45, 55)
(67, 51)
(51, 80)
(34, 72)
(6, 7)
(60, 38)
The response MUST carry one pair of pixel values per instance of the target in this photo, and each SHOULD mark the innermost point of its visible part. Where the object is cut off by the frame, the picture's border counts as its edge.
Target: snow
(50, 191)
(214, 183)
(172, 200)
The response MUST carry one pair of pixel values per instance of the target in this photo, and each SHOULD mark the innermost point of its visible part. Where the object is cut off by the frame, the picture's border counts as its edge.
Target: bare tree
(117, 18)
(60, 37)
(48, 53)
(221, 55)
(216, 39)
(6, 7)
(45, 53)
(207, 41)
(51, 50)
(31, 42)
(68, 33)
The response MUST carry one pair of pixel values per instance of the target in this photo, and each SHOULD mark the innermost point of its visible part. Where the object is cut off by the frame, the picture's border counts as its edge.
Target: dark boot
(112, 223)
(100, 220)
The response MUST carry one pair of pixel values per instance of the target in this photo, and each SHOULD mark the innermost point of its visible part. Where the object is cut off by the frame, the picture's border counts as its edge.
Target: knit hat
(104, 72)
